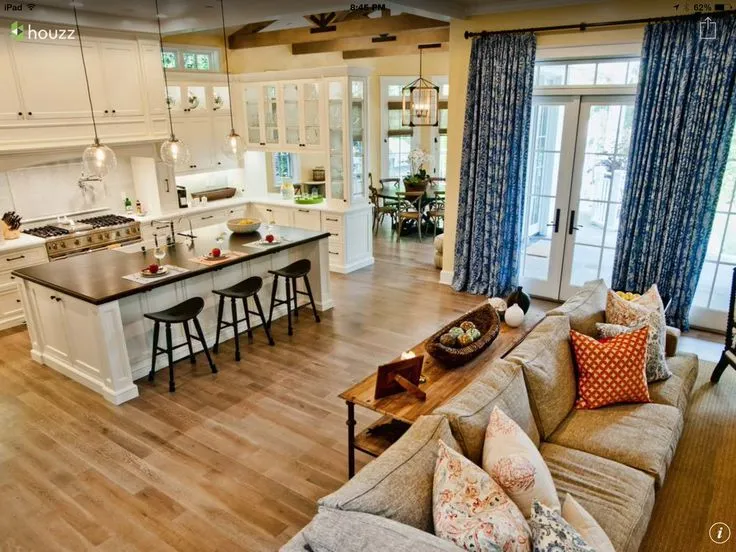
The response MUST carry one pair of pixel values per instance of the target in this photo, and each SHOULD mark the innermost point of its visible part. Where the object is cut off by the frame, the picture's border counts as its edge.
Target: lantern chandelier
(420, 98)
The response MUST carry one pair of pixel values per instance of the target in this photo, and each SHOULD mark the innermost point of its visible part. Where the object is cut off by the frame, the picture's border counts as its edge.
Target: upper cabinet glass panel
(270, 113)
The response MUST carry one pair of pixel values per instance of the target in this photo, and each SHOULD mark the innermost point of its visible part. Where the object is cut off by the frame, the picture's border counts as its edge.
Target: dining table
(433, 192)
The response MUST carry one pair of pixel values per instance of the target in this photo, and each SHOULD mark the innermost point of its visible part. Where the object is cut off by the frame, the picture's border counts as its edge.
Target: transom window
(604, 72)
(205, 60)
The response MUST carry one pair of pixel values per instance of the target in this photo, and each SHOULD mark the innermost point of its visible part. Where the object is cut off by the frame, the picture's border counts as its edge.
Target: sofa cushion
(619, 498)
(336, 530)
(546, 358)
(502, 385)
(585, 308)
(585, 524)
(380, 488)
(675, 391)
(642, 436)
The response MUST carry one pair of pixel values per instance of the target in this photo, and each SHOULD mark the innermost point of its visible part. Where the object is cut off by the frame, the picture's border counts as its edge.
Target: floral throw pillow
(471, 510)
(647, 309)
(514, 462)
(612, 372)
(551, 533)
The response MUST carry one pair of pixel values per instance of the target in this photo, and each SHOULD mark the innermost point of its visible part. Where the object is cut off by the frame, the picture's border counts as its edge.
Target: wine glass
(159, 253)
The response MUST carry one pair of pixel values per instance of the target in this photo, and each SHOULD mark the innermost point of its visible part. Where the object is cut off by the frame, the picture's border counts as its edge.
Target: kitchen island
(86, 321)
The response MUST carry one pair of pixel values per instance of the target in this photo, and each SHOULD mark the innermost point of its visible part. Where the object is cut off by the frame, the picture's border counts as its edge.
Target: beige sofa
(612, 460)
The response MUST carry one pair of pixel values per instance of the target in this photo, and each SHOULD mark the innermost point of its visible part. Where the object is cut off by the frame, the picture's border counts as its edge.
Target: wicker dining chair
(381, 207)
(437, 211)
(409, 208)
(386, 182)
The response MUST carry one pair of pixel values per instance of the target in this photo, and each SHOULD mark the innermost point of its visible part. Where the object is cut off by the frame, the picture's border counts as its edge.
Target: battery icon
(720, 7)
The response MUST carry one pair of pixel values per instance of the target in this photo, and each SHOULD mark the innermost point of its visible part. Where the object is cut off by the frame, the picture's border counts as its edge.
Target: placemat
(222, 259)
(171, 271)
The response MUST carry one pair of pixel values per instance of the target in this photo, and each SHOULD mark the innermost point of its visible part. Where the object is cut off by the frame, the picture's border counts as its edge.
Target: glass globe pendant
(233, 146)
(98, 160)
(175, 153)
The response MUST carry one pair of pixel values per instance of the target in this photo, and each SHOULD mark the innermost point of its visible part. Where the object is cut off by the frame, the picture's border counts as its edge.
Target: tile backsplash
(50, 190)
(232, 178)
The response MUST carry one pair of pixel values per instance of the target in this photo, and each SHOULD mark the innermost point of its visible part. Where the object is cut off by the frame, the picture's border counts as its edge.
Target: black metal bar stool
(178, 314)
(242, 290)
(291, 274)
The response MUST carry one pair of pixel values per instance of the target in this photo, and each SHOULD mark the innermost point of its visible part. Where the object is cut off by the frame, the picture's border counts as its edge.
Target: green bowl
(308, 200)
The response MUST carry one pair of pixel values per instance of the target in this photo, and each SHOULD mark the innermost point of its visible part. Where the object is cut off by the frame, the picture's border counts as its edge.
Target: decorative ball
(464, 340)
(514, 316)
(467, 325)
(447, 340)
(474, 333)
(456, 332)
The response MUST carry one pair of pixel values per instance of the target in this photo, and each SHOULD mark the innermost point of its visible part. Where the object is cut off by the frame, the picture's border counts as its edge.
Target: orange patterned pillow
(611, 372)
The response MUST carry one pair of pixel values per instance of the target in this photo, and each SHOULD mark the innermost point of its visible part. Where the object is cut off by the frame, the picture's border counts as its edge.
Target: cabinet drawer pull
(331, 220)
(52, 297)
(17, 300)
(333, 253)
(12, 277)
(334, 234)
(303, 210)
(207, 218)
(18, 258)
(20, 114)
(269, 210)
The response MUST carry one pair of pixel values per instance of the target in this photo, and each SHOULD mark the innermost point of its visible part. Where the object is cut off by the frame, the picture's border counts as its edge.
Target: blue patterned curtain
(493, 173)
(684, 117)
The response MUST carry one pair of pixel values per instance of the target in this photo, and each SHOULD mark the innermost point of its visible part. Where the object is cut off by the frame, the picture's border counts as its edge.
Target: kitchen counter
(209, 206)
(25, 241)
(97, 277)
(87, 322)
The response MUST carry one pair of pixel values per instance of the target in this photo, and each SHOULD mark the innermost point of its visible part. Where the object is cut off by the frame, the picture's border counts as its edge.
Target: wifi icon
(30, 6)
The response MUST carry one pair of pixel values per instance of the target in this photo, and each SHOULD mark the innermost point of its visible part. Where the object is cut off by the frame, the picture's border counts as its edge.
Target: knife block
(9, 234)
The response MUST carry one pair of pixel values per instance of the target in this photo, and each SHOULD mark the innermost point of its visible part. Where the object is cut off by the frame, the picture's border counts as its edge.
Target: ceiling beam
(252, 28)
(346, 29)
(407, 38)
(391, 51)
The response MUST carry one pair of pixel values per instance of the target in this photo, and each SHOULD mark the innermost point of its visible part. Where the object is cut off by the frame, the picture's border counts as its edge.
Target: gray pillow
(656, 366)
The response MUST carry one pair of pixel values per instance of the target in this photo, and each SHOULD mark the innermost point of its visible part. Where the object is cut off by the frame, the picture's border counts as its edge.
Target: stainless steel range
(73, 238)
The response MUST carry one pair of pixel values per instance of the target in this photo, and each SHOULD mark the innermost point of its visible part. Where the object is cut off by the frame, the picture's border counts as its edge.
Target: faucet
(190, 235)
(171, 238)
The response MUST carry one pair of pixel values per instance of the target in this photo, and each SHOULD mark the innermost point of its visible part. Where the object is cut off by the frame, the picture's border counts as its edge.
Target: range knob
(117, 234)
(63, 245)
(127, 232)
(89, 239)
(76, 242)
(54, 246)
(107, 235)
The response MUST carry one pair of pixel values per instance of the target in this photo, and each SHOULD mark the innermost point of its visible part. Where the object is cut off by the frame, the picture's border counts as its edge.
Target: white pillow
(471, 510)
(585, 524)
(512, 460)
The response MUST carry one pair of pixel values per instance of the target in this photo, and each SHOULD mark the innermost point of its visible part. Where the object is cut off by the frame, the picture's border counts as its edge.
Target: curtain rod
(583, 26)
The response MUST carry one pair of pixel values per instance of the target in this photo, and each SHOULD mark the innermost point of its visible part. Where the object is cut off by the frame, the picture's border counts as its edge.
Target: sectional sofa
(612, 460)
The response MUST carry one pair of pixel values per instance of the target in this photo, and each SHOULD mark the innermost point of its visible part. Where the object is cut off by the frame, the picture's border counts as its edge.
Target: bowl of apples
(243, 225)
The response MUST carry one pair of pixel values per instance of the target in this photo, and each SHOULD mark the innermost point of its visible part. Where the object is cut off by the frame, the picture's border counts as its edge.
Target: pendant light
(420, 99)
(98, 159)
(233, 145)
(174, 152)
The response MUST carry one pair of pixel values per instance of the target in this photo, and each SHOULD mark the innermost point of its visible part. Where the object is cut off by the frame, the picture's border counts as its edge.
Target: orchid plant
(419, 160)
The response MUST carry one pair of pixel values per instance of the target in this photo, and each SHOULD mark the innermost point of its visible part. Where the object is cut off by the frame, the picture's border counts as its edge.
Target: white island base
(107, 347)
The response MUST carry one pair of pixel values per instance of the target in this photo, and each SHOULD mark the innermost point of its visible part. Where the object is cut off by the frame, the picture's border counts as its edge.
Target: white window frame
(585, 89)
(385, 98)
(180, 50)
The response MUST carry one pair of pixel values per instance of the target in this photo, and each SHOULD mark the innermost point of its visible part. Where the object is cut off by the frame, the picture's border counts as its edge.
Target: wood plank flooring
(233, 461)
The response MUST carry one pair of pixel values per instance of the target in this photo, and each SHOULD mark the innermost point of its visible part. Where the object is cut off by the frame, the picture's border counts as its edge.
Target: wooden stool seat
(182, 313)
(243, 291)
(297, 269)
(291, 273)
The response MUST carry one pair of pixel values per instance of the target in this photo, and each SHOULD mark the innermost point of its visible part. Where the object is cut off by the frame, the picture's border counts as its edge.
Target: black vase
(519, 297)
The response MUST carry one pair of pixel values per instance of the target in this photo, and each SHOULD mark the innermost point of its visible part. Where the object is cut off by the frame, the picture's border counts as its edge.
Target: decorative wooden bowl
(485, 319)
(217, 193)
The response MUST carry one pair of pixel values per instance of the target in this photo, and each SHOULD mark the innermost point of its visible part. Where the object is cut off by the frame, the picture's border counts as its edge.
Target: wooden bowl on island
(243, 225)
(486, 321)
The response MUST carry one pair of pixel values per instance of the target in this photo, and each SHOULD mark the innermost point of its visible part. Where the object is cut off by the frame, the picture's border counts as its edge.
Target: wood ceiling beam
(392, 51)
(347, 29)
(252, 28)
(408, 38)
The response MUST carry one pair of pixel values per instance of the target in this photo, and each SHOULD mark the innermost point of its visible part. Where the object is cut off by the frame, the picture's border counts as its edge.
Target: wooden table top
(442, 383)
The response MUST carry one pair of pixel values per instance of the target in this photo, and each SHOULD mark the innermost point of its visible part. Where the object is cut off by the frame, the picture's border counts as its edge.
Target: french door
(576, 172)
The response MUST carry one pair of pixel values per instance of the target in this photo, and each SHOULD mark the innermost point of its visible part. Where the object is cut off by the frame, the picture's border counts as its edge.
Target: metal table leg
(351, 439)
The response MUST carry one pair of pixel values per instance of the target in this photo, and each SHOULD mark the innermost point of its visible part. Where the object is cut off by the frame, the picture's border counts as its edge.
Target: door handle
(556, 223)
(572, 223)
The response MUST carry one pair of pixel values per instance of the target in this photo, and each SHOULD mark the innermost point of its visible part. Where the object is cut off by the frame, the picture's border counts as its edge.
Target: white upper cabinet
(121, 74)
(253, 116)
(154, 78)
(10, 106)
(51, 78)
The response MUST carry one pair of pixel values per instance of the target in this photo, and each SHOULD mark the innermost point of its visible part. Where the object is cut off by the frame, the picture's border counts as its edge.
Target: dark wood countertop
(97, 277)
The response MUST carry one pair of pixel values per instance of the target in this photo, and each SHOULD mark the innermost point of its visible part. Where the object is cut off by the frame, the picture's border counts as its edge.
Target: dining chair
(409, 208)
(437, 211)
(386, 182)
(381, 207)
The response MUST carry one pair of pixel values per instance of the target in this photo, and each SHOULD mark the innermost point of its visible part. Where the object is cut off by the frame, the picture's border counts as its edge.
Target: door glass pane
(357, 131)
(613, 72)
(335, 118)
(551, 75)
(398, 156)
(585, 264)
(580, 73)
(291, 113)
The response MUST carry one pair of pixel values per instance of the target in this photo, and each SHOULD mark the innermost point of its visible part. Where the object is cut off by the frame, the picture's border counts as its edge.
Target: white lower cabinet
(11, 303)
(307, 219)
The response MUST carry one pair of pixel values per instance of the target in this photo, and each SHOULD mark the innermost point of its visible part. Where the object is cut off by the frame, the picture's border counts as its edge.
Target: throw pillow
(647, 309)
(586, 525)
(611, 372)
(513, 461)
(656, 366)
(551, 533)
(471, 510)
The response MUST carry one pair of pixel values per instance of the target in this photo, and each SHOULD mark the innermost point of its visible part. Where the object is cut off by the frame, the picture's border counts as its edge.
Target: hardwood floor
(232, 461)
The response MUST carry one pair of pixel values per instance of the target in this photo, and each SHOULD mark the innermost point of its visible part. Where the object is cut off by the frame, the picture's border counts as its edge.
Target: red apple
(269, 238)
(153, 269)
(216, 252)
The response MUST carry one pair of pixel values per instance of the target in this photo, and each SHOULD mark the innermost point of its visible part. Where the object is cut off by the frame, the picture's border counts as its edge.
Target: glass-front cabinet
(271, 114)
(358, 111)
(336, 126)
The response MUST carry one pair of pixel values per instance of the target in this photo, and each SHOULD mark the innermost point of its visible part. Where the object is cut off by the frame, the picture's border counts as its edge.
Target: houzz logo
(20, 31)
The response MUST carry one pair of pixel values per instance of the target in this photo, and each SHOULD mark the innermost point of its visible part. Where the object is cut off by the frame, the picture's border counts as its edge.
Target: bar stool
(178, 314)
(291, 274)
(242, 290)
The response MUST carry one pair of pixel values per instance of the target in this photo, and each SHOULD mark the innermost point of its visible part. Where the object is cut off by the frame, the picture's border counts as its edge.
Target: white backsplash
(232, 178)
(51, 190)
